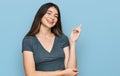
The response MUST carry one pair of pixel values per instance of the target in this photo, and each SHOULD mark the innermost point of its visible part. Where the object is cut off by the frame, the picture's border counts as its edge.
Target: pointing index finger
(79, 27)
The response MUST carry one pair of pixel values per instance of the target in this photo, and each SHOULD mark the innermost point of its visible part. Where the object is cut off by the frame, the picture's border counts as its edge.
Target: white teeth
(50, 20)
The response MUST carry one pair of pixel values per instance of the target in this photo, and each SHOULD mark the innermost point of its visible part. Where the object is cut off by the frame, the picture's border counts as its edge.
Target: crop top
(44, 60)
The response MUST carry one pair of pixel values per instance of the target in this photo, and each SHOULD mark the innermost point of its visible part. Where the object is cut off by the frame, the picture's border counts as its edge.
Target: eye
(56, 16)
(48, 13)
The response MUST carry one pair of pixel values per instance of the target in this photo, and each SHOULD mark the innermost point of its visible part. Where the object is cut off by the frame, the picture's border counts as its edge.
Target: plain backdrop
(98, 48)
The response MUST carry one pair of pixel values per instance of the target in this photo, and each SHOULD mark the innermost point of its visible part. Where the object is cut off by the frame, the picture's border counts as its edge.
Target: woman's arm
(29, 66)
(70, 52)
(70, 56)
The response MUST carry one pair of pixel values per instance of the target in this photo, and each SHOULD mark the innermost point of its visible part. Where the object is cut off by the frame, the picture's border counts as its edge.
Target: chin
(50, 25)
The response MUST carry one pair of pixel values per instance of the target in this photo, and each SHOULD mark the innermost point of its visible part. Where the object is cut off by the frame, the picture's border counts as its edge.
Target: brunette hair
(35, 28)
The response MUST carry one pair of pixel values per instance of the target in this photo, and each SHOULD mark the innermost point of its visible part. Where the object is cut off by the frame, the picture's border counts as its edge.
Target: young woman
(47, 51)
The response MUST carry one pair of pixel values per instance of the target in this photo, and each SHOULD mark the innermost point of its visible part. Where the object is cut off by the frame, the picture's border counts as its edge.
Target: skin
(44, 36)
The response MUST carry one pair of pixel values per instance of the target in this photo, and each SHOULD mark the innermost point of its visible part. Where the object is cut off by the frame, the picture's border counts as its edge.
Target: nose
(52, 17)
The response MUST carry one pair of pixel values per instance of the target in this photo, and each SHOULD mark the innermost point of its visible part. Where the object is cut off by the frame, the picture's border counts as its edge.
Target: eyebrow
(52, 12)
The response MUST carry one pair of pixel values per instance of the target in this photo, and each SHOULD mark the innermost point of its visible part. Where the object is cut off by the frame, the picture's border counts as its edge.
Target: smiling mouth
(50, 21)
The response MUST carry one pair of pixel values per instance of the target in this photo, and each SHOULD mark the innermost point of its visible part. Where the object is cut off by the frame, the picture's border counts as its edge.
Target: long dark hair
(35, 28)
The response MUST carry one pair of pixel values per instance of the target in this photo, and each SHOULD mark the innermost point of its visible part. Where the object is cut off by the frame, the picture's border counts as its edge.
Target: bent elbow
(30, 74)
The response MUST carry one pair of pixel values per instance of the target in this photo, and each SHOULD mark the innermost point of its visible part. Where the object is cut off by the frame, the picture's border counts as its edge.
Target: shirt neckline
(43, 47)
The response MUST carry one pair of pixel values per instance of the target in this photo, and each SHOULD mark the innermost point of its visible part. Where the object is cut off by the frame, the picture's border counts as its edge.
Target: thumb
(75, 70)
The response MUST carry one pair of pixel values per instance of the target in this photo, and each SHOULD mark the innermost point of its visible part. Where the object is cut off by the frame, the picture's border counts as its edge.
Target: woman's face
(50, 18)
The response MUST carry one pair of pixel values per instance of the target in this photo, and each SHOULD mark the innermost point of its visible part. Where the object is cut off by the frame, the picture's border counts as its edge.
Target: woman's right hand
(71, 72)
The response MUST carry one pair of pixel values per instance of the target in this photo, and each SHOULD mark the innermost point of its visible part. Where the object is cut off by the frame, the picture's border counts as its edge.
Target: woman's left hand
(75, 33)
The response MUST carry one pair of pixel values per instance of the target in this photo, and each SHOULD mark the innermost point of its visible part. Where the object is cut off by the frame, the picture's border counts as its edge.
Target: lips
(50, 21)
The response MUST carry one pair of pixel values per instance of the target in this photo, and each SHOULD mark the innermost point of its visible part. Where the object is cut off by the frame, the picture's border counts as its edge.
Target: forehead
(53, 10)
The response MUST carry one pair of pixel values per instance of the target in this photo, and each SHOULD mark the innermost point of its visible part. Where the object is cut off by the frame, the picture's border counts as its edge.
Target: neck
(44, 31)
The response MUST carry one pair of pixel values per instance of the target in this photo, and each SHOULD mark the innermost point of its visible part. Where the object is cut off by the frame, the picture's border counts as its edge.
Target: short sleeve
(27, 44)
(65, 41)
